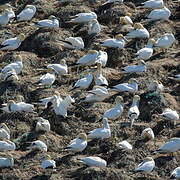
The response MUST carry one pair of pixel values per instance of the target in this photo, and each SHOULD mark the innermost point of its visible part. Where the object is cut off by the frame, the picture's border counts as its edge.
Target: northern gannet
(176, 77)
(100, 80)
(47, 162)
(27, 14)
(84, 82)
(60, 107)
(52, 22)
(175, 174)
(7, 145)
(83, 17)
(101, 133)
(140, 68)
(61, 68)
(132, 86)
(12, 43)
(133, 112)
(170, 114)
(4, 131)
(9, 76)
(102, 58)
(10, 8)
(127, 19)
(93, 161)
(73, 43)
(147, 165)
(38, 145)
(94, 27)
(148, 133)
(146, 52)
(4, 18)
(118, 42)
(124, 145)
(159, 14)
(78, 144)
(139, 32)
(47, 79)
(115, 113)
(97, 94)
(7, 161)
(165, 41)
(170, 146)
(155, 86)
(152, 4)
(126, 23)
(42, 125)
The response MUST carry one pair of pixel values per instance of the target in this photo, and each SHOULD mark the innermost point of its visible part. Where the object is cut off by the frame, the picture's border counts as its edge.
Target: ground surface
(40, 49)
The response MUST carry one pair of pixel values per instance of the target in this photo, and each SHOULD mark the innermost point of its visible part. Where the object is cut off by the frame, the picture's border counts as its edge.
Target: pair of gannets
(101, 133)
(7, 145)
(170, 114)
(38, 145)
(118, 42)
(131, 87)
(124, 145)
(4, 131)
(94, 27)
(12, 43)
(42, 125)
(152, 4)
(47, 162)
(7, 161)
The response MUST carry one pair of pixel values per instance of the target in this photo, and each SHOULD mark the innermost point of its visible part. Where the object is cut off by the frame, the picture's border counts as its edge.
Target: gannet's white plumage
(61, 68)
(124, 145)
(146, 166)
(27, 13)
(78, 144)
(84, 17)
(39, 145)
(147, 133)
(115, 112)
(7, 145)
(132, 86)
(6, 161)
(52, 22)
(93, 161)
(170, 146)
(155, 86)
(152, 4)
(4, 18)
(165, 41)
(133, 112)
(84, 82)
(100, 80)
(4, 131)
(118, 42)
(7, 6)
(73, 43)
(146, 52)
(12, 43)
(139, 32)
(47, 162)
(97, 94)
(170, 114)
(102, 58)
(111, 1)
(94, 27)
(139, 68)
(159, 14)
(42, 125)
(175, 174)
(101, 133)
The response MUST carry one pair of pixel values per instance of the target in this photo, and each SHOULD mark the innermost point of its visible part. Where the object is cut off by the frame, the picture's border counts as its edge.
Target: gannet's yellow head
(52, 17)
(11, 102)
(138, 26)
(136, 98)
(94, 21)
(63, 62)
(56, 93)
(151, 41)
(148, 159)
(119, 100)
(122, 20)
(22, 37)
(128, 14)
(18, 58)
(20, 98)
(50, 70)
(6, 11)
(6, 6)
(3, 125)
(83, 136)
(30, 6)
(92, 52)
(133, 80)
(119, 36)
(99, 65)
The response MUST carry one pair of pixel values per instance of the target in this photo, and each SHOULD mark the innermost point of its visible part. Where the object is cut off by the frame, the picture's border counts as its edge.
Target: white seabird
(94, 27)
(115, 112)
(152, 4)
(12, 43)
(6, 161)
(7, 6)
(73, 43)
(147, 133)
(139, 32)
(38, 145)
(159, 14)
(100, 80)
(126, 22)
(175, 174)
(147, 165)
(7, 145)
(132, 86)
(102, 58)
(42, 125)
(170, 114)
(47, 162)
(155, 86)
(78, 144)
(4, 131)
(101, 133)
(93, 161)
(52, 22)
(146, 52)
(27, 14)
(97, 94)
(140, 68)
(83, 17)
(133, 112)
(124, 145)
(4, 18)
(117, 42)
